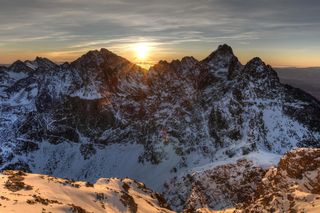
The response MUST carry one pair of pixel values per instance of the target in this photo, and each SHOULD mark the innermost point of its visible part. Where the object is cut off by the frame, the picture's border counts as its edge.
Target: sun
(141, 50)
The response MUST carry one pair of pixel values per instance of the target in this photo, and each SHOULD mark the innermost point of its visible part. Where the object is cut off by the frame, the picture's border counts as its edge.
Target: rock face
(102, 116)
(293, 186)
(221, 187)
(40, 193)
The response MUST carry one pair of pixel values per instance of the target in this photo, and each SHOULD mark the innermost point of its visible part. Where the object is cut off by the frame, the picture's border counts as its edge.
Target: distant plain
(307, 79)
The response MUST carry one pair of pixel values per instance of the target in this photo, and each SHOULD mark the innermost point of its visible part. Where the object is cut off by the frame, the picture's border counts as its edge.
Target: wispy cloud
(68, 27)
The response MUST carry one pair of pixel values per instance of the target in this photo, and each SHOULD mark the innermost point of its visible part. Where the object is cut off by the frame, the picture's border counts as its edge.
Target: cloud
(75, 25)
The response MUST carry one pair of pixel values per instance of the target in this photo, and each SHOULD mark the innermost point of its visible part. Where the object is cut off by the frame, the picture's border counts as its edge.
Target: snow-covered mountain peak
(256, 69)
(3, 68)
(98, 58)
(20, 66)
(103, 116)
(256, 64)
(189, 61)
(223, 54)
(91, 58)
(105, 51)
(221, 63)
(41, 63)
(44, 62)
(174, 69)
(225, 49)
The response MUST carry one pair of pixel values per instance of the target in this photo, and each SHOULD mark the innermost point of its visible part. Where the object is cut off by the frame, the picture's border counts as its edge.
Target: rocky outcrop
(293, 186)
(217, 188)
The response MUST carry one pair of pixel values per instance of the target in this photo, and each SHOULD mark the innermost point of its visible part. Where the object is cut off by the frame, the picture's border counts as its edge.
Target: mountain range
(180, 127)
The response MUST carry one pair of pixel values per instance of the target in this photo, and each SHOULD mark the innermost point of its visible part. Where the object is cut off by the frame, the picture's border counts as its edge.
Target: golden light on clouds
(141, 50)
(147, 52)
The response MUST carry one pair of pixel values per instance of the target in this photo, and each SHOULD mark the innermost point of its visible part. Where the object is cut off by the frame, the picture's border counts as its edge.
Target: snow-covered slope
(102, 116)
(216, 188)
(23, 192)
(292, 186)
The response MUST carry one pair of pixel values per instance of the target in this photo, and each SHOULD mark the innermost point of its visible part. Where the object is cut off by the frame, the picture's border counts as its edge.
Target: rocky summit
(292, 186)
(176, 124)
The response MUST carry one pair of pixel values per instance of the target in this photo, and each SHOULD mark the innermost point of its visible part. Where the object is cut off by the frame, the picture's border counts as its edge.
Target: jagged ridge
(79, 119)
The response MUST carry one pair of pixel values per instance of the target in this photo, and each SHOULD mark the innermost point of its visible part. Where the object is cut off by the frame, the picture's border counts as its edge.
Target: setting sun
(141, 50)
(142, 106)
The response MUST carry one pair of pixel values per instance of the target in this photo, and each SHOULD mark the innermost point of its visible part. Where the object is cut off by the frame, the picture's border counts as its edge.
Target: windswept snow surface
(112, 161)
(22, 192)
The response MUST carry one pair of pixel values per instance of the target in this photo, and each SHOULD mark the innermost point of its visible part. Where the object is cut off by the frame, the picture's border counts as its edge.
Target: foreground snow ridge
(292, 186)
(23, 192)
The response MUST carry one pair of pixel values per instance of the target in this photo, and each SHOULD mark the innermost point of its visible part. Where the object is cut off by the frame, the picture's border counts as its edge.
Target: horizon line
(151, 62)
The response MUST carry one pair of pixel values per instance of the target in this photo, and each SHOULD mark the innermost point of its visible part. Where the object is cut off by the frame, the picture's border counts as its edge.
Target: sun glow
(142, 50)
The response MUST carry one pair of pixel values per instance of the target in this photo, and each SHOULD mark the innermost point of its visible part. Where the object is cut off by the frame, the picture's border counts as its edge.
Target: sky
(281, 32)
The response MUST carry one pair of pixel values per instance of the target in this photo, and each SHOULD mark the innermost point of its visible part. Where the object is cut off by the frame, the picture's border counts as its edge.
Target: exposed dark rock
(176, 110)
(290, 187)
(20, 166)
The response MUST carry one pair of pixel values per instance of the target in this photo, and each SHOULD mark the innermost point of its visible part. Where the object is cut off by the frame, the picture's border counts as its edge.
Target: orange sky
(275, 58)
(282, 33)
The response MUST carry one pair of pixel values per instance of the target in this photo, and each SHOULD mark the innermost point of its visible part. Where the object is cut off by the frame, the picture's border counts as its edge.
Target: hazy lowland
(305, 78)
